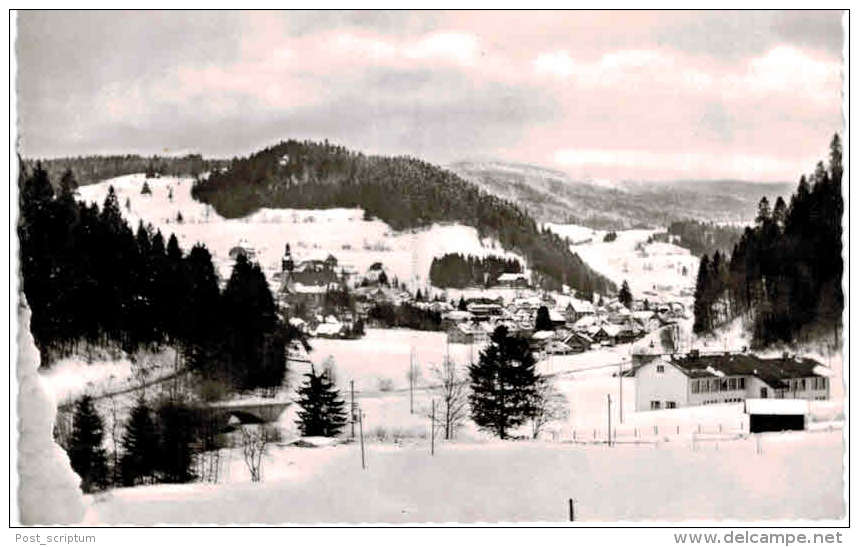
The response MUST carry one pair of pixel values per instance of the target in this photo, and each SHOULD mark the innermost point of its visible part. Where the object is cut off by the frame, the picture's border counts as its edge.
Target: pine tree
(322, 411)
(179, 218)
(504, 384)
(543, 321)
(146, 190)
(87, 457)
(140, 458)
(702, 321)
(254, 339)
(68, 183)
(625, 295)
(462, 305)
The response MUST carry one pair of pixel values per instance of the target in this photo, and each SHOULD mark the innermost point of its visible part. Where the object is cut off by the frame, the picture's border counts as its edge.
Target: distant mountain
(552, 196)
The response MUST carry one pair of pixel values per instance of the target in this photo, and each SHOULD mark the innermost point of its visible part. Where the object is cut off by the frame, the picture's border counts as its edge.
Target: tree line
(91, 280)
(784, 274)
(93, 169)
(402, 191)
(704, 237)
(405, 316)
(459, 271)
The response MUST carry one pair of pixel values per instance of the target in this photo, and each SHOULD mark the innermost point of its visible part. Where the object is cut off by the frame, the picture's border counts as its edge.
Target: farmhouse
(577, 309)
(467, 333)
(578, 342)
(513, 280)
(695, 379)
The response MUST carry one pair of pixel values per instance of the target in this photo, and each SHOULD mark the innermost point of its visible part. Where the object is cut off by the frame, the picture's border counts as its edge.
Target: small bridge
(253, 412)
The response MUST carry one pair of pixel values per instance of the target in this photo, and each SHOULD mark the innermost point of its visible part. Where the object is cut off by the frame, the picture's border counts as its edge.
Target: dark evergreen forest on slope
(785, 273)
(93, 169)
(402, 191)
(90, 279)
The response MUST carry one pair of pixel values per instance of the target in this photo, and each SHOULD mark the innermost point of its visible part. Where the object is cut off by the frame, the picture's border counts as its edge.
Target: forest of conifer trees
(458, 271)
(89, 279)
(784, 274)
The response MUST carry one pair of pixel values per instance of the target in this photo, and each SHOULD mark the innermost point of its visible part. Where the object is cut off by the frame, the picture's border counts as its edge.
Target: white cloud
(607, 69)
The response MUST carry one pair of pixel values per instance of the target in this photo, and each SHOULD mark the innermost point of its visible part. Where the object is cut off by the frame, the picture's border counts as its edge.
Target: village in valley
(623, 370)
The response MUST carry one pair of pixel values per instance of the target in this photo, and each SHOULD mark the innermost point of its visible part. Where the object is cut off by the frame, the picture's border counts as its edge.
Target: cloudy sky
(617, 95)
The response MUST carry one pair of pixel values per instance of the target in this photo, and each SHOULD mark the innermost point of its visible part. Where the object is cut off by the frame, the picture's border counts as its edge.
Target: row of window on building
(722, 401)
(813, 383)
(716, 385)
(657, 405)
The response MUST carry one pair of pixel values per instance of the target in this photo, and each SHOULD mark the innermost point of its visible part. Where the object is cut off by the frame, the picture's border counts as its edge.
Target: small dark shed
(776, 414)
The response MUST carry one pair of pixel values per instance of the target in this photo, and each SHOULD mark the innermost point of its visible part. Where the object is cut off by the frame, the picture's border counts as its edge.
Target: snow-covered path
(509, 481)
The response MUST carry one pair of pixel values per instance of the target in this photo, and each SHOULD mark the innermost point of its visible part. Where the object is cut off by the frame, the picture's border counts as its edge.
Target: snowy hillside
(311, 233)
(652, 270)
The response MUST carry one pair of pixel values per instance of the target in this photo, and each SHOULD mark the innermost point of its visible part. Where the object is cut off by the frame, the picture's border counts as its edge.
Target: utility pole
(572, 503)
(361, 427)
(608, 396)
(412, 381)
(620, 395)
(432, 430)
(352, 408)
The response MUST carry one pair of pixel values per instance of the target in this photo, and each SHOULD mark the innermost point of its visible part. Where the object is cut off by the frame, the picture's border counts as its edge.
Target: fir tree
(543, 321)
(140, 458)
(625, 295)
(177, 428)
(146, 190)
(87, 457)
(503, 384)
(702, 321)
(254, 340)
(322, 411)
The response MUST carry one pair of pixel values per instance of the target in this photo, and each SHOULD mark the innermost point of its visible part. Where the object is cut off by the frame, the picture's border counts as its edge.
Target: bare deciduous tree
(452, 391)
(551, 405)
(255, 439)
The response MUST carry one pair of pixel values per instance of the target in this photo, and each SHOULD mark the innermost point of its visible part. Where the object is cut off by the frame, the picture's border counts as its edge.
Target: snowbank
(48, 490)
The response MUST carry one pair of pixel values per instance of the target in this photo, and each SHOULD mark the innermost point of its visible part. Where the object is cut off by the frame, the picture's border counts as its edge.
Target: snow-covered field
(656, 268)
(312, 233)
(507, 482)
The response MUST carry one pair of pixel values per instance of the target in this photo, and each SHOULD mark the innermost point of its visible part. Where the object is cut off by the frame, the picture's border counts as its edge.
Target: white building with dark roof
(695, 379)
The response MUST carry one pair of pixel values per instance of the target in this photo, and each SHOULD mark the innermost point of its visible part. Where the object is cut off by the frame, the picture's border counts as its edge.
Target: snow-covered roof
(821, 370)
(511, 277)
(643, 314)
(555, 316)
(777, 406)
(309, 289)
(612, 330)
(329, 328)
(543, 335)
(457, 315)
(581, 306)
